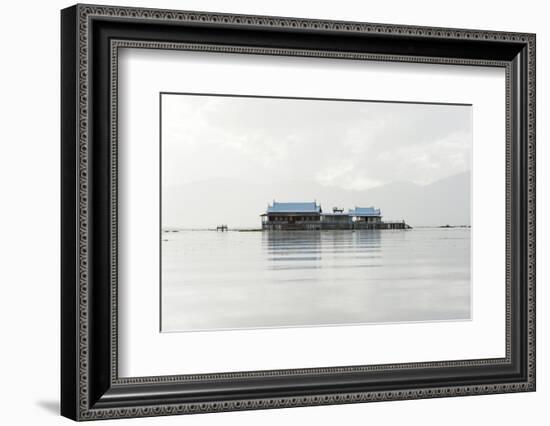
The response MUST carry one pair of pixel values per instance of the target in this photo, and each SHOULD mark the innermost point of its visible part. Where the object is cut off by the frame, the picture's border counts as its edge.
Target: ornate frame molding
(80, 18)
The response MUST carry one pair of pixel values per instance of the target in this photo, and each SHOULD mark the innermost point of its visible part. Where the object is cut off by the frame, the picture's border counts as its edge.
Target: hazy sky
(225, 158)
(349, 145)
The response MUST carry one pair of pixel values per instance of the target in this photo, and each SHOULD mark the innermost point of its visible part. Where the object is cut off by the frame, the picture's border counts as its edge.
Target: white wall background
(29, 225)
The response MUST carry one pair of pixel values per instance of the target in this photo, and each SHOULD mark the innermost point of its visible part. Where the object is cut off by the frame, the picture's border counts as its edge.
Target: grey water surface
(232, 280)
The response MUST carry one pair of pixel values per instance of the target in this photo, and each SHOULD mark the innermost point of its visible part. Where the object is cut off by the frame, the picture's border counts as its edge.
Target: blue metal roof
(276, 207)
(364, 211)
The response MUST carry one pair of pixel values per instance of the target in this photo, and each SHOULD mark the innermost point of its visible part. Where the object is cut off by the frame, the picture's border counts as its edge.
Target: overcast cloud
(225, 158)
(350, 145)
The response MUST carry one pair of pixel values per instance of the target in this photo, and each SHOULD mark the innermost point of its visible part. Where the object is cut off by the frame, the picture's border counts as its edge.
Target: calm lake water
(229, 280)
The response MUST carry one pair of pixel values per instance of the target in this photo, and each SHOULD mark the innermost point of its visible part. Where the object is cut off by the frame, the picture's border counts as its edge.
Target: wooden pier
(222, 228)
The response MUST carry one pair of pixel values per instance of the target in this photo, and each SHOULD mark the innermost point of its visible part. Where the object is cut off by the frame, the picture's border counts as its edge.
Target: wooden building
(365, 217)
(336, 220)
(292, 216)
(309, 216)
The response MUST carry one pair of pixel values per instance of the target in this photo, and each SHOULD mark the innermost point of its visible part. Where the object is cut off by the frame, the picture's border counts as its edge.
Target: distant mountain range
(239, 204)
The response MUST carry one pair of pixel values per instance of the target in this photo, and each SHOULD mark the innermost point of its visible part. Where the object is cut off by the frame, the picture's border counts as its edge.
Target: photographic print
(299, 212)
(346, 208)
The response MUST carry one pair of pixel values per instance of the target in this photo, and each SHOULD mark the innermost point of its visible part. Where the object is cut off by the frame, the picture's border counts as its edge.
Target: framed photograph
(263, 212)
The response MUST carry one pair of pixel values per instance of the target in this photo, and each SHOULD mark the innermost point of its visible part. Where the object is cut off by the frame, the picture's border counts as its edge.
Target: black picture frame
(90, 386)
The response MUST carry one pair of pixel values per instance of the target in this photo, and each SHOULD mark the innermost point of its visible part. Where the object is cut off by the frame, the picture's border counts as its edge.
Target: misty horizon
(226, 158)
(346, 200)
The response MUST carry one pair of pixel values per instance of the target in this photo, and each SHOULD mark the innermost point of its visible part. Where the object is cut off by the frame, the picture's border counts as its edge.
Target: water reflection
(316, 249)
(214, 280)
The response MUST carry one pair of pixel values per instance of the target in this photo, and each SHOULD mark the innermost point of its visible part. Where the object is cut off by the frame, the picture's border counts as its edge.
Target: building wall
(301, 222)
